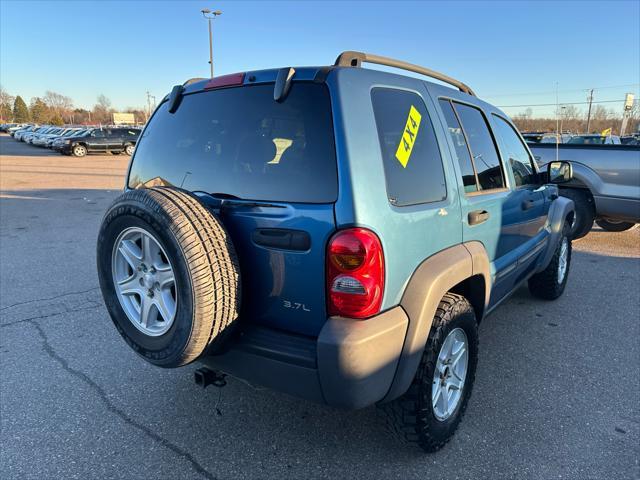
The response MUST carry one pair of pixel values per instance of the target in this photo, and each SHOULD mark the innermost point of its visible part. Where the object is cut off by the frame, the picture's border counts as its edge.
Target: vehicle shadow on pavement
(542, 404)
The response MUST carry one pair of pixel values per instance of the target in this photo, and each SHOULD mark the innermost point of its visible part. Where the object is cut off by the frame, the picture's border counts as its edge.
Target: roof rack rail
(356, 59)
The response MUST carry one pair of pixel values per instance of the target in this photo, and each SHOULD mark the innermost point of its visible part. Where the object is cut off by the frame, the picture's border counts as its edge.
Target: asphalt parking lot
(557, 393)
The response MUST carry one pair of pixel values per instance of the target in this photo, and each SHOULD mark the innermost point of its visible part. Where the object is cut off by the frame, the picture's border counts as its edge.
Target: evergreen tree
(39, 111)
(20, 110)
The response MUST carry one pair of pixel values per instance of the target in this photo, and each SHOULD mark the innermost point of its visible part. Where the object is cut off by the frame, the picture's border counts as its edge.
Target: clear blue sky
(511, 53)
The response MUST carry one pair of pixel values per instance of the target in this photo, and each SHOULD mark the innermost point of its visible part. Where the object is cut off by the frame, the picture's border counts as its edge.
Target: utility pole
(209, 15)
(148, 105)
(590, 99)
(628, 105)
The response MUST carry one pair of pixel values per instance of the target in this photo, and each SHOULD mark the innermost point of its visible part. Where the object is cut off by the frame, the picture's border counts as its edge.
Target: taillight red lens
(225, 81)
(355, 273)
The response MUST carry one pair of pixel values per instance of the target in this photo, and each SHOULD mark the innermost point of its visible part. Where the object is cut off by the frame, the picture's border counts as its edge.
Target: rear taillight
(355, 273)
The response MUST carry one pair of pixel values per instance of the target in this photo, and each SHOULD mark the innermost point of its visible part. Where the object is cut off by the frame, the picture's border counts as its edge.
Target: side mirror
(559, 172)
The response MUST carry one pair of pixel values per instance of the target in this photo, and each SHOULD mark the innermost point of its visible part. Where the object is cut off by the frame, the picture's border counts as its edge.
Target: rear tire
(415, 417)
(551, 282)
(585, 211)
(129, 149)
(614, 226)
(193, 255)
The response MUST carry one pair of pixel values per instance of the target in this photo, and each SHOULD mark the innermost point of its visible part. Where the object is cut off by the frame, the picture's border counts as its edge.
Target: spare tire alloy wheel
(169, 275)
(144, 281)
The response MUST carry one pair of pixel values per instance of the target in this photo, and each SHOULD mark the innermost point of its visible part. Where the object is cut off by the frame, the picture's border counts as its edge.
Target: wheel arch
(461, 268)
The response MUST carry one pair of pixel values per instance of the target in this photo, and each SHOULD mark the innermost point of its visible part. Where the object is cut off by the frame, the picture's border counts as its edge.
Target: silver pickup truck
(605, 185)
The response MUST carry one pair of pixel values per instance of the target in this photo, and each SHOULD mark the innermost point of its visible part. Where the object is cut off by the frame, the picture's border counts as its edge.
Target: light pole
(209, 15)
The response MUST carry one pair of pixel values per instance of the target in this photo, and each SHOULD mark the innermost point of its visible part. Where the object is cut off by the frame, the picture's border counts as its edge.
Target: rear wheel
(169, 275)
(585, 211)
(614, 225)
(79, 151)
(128, 149)
(428, 414)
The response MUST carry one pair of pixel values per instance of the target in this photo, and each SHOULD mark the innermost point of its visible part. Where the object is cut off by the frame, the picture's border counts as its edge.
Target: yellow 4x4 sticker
(405, 147)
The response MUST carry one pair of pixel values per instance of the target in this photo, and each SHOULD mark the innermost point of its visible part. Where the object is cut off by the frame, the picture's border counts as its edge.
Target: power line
(560, 91)
(561, 103)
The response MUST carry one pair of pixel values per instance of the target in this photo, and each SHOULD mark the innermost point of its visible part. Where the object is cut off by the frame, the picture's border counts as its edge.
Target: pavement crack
(47, 299)
(49, 350)
(49, 315)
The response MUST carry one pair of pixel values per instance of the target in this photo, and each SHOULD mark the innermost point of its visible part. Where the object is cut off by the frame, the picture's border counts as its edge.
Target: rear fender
(434, 277)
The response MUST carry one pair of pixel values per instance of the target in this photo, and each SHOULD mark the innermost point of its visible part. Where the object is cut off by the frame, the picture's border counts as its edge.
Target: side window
(485, 155)
(460, 143)
(410, 155)
(98, 133)
(517, 154)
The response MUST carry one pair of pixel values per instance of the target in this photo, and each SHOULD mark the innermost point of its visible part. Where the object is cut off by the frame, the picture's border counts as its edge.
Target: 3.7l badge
(295, 305)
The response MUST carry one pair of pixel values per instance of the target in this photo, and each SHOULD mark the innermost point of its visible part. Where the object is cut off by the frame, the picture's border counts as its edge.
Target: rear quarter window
(410, 154)
(240, 142)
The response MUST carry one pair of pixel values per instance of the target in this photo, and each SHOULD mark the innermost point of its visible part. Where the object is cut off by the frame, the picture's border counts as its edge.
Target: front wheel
(429, 413)
(614, 225)
(79, 151)
(550, 283)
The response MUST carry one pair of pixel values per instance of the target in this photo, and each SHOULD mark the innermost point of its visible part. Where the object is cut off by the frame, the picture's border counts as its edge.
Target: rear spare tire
(169, 275)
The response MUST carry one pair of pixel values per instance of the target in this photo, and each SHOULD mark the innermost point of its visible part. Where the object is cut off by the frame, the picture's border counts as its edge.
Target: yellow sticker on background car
(409, 134)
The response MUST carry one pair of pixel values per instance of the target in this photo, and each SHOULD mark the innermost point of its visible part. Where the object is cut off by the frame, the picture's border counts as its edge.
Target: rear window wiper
(229, 200)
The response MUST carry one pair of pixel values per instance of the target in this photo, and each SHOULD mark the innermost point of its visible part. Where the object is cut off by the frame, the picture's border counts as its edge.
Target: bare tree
(102, 110)
(104, 102)
(59, 104)
(6, 105)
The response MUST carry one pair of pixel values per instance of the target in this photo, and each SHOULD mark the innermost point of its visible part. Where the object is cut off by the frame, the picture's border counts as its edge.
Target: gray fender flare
(429, 283)
(561, 210)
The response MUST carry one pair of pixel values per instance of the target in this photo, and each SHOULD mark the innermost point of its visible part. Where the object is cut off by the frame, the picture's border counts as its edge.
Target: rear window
(240, 142)
(412, 163)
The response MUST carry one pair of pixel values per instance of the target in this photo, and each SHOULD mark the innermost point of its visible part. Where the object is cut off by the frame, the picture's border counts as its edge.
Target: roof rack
(356, 59)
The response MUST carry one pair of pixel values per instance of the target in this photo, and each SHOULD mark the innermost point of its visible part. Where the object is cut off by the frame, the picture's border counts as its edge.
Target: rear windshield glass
(240, 142)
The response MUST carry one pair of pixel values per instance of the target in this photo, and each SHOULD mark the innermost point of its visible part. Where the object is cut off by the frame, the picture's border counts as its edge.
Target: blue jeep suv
(335, 233)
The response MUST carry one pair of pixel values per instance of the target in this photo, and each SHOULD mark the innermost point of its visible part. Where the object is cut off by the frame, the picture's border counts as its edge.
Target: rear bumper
(351, 364)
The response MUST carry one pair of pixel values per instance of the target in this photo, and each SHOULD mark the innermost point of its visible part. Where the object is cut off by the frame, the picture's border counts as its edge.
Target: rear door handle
(528, 204)
(478, 216)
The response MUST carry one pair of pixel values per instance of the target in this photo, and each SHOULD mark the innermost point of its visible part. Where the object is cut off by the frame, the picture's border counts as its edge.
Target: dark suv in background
(101, 140)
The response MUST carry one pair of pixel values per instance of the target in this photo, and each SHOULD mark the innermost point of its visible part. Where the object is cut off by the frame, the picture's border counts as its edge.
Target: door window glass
(514, 153)
(485, 155)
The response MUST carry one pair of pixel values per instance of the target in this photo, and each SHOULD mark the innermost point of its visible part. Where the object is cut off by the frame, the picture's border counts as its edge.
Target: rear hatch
(269, 169)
